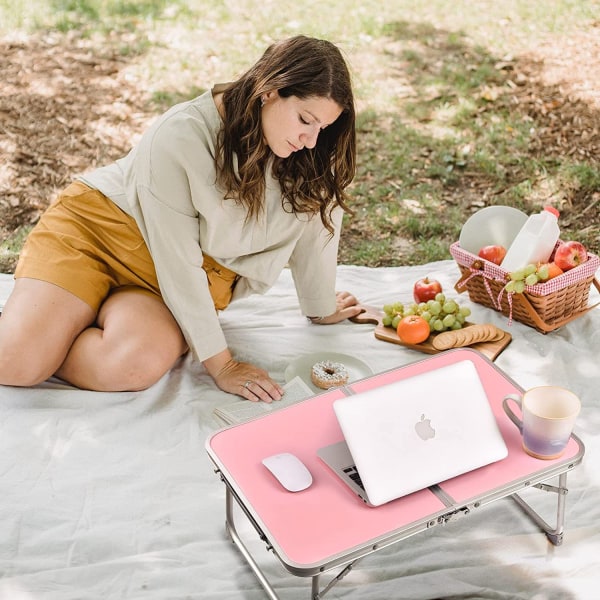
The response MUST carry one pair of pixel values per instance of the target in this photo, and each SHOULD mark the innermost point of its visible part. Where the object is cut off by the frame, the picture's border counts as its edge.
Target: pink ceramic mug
(548, 417)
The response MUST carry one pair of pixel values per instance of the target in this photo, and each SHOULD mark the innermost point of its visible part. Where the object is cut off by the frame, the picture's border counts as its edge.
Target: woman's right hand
(245, 380)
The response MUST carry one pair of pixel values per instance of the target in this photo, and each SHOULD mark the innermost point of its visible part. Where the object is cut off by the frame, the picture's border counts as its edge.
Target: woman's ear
(268, 96)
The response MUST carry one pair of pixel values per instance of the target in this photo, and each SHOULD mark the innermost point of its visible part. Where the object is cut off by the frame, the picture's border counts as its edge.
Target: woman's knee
(22, 365)
(133, 369)
(37, 327)
(135, 342)
(148, 345)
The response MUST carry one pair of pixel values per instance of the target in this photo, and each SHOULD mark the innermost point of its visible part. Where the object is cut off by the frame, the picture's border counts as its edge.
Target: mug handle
(511, 415)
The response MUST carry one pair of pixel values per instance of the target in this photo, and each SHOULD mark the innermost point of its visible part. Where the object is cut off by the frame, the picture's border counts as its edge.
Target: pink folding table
(327, 527)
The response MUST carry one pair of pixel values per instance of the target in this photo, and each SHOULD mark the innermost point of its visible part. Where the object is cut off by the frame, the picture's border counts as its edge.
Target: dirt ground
(65, 108)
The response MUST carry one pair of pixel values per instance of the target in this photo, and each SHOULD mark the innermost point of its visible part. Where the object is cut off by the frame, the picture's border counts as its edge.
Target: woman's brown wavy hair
(312, 180)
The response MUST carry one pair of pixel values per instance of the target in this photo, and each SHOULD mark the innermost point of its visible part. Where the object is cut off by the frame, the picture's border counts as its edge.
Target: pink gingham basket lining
(575, 275)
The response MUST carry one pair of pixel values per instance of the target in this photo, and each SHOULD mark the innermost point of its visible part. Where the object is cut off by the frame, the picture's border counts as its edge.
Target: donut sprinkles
(327, 374)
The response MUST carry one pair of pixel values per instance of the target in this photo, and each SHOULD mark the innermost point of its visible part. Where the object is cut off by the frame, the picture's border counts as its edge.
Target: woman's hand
(346, 307)
(243, 379)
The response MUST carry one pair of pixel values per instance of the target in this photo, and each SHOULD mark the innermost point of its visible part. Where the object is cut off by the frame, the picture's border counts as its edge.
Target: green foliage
(10, 248)
(583, 176)
(164, 99)
(438, 135)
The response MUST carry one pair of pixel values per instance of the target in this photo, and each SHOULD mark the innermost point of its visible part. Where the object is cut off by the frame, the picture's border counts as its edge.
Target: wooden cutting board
(387, 334)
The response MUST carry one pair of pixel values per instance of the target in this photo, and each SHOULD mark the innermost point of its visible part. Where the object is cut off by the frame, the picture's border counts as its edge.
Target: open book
(242, 410)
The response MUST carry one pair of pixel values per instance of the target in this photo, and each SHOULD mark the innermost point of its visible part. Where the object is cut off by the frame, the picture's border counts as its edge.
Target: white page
(236, 412)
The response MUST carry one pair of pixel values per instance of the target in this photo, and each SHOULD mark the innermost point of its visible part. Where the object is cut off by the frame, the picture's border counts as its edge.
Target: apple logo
(424, 429)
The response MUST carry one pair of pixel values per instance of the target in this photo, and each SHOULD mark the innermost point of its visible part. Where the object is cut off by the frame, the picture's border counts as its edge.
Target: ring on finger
(248, 383)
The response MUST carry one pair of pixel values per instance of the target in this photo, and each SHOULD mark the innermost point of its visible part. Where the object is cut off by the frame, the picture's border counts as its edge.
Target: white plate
(490, 226)
(302, 367)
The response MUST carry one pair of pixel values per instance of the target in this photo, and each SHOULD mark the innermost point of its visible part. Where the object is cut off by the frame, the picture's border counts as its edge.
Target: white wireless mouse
(289, 470)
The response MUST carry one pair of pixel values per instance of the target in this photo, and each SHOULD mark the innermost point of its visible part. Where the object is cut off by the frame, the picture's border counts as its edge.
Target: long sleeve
(313, 264)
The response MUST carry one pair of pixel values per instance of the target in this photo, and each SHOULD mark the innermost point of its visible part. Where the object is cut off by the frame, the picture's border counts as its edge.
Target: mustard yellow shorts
(87, 245)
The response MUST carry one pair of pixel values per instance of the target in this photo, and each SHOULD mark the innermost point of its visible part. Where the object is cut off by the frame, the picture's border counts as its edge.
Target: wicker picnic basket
(545, 306)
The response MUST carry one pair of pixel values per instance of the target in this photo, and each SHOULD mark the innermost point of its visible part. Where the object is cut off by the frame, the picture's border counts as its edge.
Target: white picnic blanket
(113, 496)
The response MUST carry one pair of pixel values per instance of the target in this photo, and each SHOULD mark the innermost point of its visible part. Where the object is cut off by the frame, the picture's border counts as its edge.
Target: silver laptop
(414, 433)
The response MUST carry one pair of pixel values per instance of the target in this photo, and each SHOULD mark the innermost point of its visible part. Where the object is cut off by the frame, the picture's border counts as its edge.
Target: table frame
(540, 480)
(554, 533)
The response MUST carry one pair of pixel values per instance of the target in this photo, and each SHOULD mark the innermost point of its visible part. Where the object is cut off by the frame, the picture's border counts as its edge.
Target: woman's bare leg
(38, 325)
(134, 343)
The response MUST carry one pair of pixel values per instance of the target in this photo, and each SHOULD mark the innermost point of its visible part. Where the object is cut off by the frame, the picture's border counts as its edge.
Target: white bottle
(535, 241)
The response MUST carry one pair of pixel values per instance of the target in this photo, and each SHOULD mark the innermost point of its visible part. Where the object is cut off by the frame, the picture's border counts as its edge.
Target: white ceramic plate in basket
(493, 225)
(302, 366)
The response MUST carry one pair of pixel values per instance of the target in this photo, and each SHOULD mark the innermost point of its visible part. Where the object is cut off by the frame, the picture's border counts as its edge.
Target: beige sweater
(167, 183)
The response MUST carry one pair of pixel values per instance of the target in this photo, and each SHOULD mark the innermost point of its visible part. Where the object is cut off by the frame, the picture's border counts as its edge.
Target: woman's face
(291, 124)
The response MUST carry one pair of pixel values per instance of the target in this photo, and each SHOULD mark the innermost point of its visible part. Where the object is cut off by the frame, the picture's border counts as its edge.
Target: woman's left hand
(346, 307)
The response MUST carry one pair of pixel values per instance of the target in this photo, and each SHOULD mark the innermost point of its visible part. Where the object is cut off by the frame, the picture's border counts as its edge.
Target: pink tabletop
(327, 520)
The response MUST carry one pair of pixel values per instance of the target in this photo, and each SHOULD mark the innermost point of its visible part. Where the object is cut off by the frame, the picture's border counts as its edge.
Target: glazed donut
(327, 374)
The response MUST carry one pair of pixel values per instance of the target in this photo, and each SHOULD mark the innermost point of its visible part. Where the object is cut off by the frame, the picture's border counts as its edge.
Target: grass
(438, 137)
(10, 249)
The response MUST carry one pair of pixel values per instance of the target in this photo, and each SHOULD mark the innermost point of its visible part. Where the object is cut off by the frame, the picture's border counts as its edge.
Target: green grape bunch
(528, 275)
(441, 313)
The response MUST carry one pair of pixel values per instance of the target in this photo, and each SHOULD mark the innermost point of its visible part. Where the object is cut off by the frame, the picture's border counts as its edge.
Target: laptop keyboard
(352, 472)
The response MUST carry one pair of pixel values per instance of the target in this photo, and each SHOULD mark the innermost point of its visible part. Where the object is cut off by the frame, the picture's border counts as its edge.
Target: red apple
(570, 254)
(494, 253)
(426, 289)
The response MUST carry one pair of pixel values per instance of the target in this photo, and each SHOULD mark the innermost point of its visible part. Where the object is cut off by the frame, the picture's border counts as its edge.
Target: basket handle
(556, 324)
(459, 286)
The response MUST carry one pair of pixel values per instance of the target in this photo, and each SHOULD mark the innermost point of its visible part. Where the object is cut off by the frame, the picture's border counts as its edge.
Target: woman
(127, 270)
